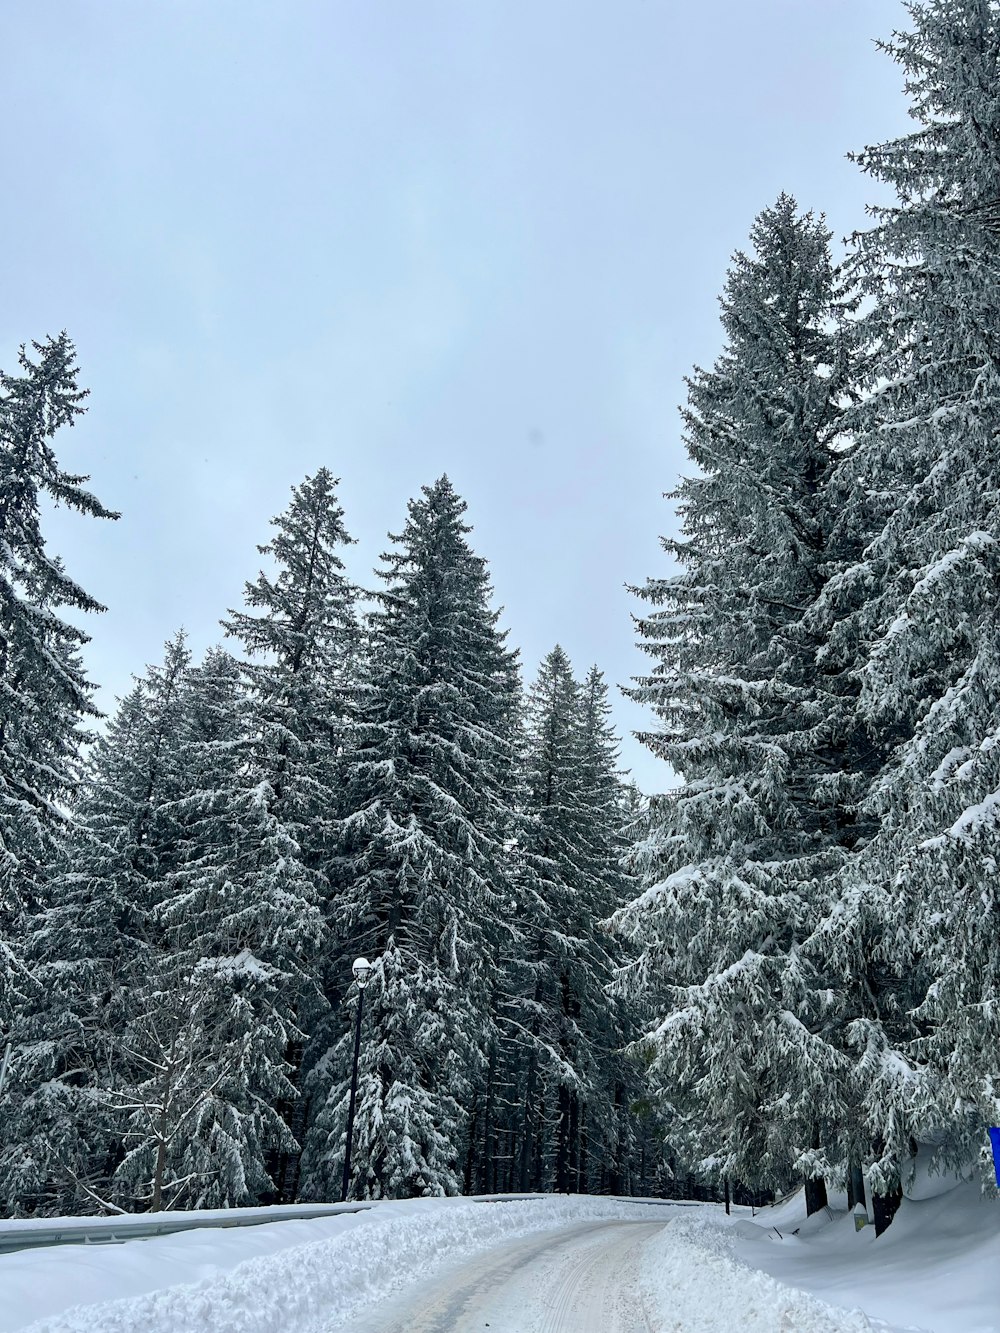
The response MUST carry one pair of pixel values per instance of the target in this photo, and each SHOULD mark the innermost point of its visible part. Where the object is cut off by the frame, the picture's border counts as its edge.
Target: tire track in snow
(581, 1280)
(600, 1291)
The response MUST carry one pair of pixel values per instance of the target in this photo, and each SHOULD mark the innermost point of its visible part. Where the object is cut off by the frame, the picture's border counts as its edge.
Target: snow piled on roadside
(314, 1288)
(694, 1283)
(934, 1269)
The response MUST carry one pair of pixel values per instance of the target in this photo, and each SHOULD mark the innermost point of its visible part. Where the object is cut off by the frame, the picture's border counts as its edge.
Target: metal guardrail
(118, 1230)
(143, 1226)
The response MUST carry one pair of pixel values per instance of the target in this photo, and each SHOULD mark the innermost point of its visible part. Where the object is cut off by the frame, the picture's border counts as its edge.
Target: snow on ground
(696, 1270)
(38, 1283)
(936, 1268)
(580, 1279)
(693, 1282)
(302, 1276)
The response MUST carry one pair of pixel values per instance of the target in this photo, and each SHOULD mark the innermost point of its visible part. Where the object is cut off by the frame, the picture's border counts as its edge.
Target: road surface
(582, 1279)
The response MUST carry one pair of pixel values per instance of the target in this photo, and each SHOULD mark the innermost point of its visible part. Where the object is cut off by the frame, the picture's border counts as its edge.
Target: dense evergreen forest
(786, 967)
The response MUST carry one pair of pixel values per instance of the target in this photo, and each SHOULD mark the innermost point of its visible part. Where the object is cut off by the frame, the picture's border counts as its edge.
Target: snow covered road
(553, 1265)
(584, 1279)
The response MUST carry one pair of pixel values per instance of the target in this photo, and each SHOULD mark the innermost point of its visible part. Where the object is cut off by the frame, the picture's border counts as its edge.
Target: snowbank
(307, 1276)
(935, 1268)
(693, 1281)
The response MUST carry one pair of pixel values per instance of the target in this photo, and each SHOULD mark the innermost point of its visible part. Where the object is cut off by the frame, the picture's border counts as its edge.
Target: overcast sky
(401, 238)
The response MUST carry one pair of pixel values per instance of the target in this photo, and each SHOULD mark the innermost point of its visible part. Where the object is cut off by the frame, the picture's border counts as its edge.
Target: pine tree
(44, 694)
(211, 1035)
(543, 1018)
(423, 865)
(92, 952)
(563, 1066)
(610, 809)
(922, 487)
(746, 1045)
(302, 637)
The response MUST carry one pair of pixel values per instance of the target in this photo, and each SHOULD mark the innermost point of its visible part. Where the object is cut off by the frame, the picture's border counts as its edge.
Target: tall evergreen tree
(563, 1033)
(745, 1044)
(543, 1017)
(92, 952)
(301, 635)
(424, 864)
(210, 1032)
(923, 487)
(608, 1129)
(44, 694)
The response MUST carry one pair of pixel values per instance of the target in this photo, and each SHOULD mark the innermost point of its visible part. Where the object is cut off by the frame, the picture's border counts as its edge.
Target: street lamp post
(5, 1066)
(361, 971)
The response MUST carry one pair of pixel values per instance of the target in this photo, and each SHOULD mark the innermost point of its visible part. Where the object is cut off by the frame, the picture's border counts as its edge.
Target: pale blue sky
(403, 237)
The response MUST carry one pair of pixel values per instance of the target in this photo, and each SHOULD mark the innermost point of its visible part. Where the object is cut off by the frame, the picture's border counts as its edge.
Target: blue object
(995, 1145)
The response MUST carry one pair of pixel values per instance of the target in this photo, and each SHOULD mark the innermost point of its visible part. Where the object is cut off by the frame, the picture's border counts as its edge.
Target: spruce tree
(423, 865)
(922, 486)
(543, 1013)
(746, 1043)
(607, 1128)
(204, 1124)
(93, 953)
(301, 635)
(44, 694)
(563, 1035)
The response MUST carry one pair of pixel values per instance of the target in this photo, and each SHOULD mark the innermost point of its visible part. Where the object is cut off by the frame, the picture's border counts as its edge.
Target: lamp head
(362, 971)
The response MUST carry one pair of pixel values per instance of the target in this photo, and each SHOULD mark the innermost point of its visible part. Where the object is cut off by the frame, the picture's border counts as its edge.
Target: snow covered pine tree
(423, 883)
(44, 694)
(301, 634)
(744, 1047)
(96, 948)
(923, 487)
(210, 1041)
(562, 1033)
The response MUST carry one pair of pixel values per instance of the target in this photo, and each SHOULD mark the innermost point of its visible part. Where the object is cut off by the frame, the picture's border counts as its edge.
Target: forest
(785, 967)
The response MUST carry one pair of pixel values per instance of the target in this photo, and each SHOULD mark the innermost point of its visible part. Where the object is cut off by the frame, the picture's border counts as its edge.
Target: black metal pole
(354, 1092)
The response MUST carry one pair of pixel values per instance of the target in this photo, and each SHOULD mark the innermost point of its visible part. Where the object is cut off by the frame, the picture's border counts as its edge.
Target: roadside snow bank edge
(312, 1288)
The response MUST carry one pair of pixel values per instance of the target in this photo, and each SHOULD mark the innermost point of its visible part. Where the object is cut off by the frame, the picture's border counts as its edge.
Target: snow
(244, 962)
(973, 544)
(948, 765)
(693, 1277)
(121, 1223)
(581, 1279)
(934, 1269)
(688, 1268)
(299, 1276)
(976, 817)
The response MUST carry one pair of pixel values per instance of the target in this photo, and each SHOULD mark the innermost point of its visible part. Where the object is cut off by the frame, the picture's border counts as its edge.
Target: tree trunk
(884, 1208)
(573, 1163)
(582, 1183)
(510, 1162)
(855, 1185)
(815, 1196)
(156, 1198)
(538, 1159)
(615, 1181)
(471, 1156)
(489, 1148)
(527, 1137)
(562, 1142)
(815, 1189)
